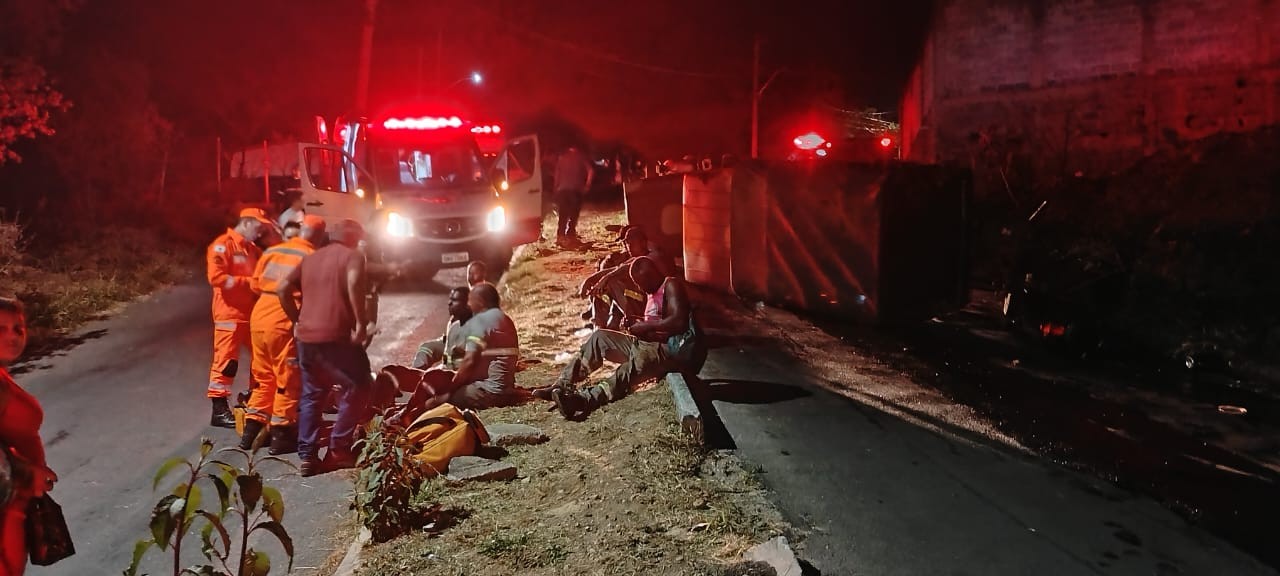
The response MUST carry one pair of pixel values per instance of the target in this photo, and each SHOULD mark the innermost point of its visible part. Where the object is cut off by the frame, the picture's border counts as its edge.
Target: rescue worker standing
(231, 260)
(277, 381)
(573, 181)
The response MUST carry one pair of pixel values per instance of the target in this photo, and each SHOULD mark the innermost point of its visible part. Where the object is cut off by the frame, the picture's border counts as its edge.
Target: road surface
(881, 494)
(132, 396)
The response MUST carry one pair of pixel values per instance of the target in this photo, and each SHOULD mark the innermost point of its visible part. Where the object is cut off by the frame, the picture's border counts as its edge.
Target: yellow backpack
(443, 432)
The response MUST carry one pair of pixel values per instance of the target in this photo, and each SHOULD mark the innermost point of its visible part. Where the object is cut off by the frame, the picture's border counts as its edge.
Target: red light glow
(886, 142)
(422, 123)
(488, 129)
(810, 141)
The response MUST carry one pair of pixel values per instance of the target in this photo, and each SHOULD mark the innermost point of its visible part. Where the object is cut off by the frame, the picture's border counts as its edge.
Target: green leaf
(255, 563)
(166, 468)
(273, 503)
(224, 492)
(228, 468)
(278, 459)
(250, 490)
(162, 521)
(215, 521)
(282, 535)
(139, 550)
(193, 504)
(206, 542)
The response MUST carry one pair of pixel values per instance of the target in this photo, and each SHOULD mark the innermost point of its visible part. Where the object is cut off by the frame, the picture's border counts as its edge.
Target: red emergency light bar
(422, 123)
(489, 129)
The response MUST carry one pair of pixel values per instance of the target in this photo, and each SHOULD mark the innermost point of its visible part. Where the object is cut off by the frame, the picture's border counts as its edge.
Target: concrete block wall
(1090, 86)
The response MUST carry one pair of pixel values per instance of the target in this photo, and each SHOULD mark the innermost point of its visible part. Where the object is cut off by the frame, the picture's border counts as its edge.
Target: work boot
(310, 467)
(222, 416)
(569, 403)
(338, 460)
(284, 440)
(252, 430)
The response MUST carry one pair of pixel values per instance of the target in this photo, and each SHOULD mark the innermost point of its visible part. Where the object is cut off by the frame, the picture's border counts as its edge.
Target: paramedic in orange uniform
(277, 382)
(231, 259)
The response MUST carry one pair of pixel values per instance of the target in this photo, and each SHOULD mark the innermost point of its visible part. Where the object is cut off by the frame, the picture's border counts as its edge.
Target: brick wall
(1052, 88)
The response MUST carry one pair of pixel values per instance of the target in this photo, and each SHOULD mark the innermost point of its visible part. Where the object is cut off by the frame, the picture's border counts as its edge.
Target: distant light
(821, 153)
(359, 192)
(486, 129)
(476, 78)
(809, 141)
(886, 142)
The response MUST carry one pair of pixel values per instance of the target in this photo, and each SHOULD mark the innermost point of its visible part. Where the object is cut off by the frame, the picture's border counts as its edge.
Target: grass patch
(624, 492)
(83, 279)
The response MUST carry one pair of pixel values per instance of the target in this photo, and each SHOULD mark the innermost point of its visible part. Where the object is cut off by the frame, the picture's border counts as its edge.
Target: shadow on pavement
(753, 392)
(52, 347)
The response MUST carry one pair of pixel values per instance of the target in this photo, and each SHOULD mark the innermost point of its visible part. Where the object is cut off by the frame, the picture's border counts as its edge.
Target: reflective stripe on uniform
(280, 421)
(230, 283)
(226, 325)
(478, 340)
(219, 387)
(286, 250)
(276, 271)
(501, 352)
(632, 294)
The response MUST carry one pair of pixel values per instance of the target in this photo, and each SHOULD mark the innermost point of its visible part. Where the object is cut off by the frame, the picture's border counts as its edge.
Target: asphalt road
(131, 396)
(882, 495)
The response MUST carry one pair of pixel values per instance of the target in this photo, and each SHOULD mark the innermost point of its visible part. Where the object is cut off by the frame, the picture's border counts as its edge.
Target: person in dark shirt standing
(573, 181)
(332, 333)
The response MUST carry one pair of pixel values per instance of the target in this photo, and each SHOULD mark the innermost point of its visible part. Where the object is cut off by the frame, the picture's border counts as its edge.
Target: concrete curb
(687, 412)
(352, 560)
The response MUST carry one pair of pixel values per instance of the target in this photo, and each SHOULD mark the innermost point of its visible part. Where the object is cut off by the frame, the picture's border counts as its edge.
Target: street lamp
(474, 78)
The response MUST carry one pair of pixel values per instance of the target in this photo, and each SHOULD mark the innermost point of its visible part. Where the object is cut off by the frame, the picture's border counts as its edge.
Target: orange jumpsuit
(231, 260)
(277, 379)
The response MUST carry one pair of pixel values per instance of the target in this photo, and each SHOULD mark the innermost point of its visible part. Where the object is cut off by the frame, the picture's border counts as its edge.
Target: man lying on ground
(664, 341)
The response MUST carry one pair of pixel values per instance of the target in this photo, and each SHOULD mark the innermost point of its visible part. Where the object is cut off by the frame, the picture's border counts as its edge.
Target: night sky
(663, 76)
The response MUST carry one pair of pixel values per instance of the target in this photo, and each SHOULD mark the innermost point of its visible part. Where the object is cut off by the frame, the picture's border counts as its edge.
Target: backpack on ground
(443, 432)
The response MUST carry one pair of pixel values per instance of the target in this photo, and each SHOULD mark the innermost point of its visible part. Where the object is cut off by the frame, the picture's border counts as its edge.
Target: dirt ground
(624, 492)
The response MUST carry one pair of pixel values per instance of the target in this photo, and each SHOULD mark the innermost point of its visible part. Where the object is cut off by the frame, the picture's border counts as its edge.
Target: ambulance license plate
(455, 257)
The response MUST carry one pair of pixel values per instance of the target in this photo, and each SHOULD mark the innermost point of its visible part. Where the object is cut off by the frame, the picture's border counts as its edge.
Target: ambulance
(426, 191)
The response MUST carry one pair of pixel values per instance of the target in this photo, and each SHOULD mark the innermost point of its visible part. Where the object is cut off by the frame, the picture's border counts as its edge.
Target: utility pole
(439, 55)
(366, 56)
(755, 99)
(421, 55)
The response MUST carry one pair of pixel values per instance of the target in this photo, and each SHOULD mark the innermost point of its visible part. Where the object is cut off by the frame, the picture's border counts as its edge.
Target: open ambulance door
(520, 191)
(333, 186)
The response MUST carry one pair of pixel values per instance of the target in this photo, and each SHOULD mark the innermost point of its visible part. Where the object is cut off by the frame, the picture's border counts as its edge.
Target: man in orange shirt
(277, 382)
(230, 260)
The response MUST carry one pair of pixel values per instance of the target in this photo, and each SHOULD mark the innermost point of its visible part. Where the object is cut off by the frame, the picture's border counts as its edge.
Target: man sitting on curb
(485, 377)
(612, 293)
(446, 351)
(664, 341)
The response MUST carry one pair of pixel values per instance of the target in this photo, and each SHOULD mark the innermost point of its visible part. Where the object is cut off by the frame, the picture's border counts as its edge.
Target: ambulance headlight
(398, 226)
(496, 221)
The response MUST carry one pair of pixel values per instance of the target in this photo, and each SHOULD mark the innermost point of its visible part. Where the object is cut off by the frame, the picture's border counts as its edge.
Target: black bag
(48, 539)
